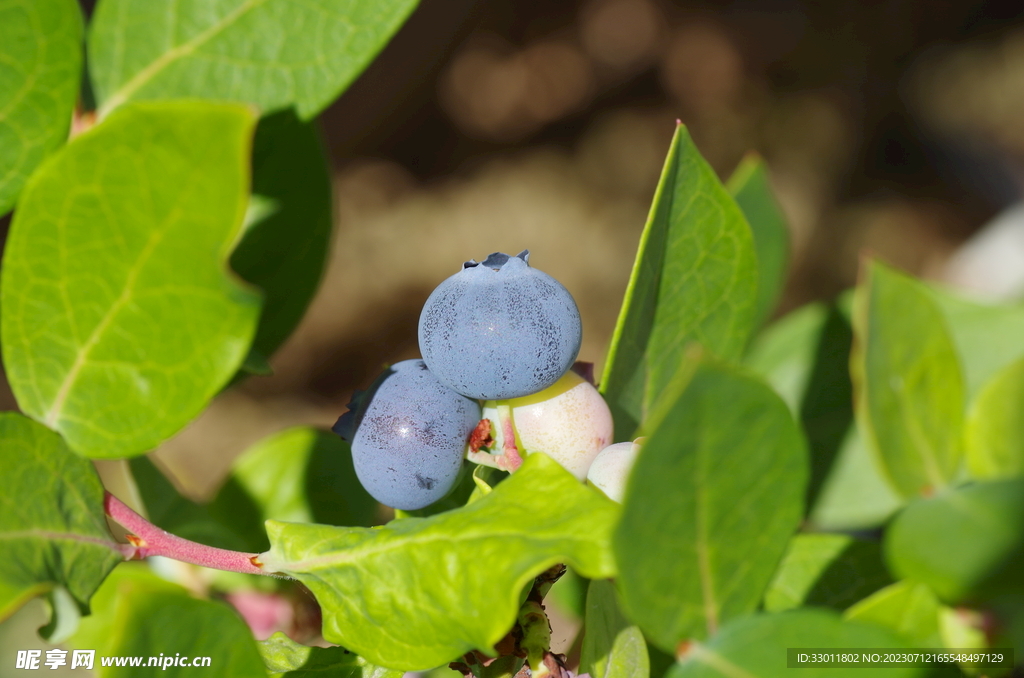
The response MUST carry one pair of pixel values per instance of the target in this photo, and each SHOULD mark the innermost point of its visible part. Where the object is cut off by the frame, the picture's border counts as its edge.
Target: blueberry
(408, 433)
(499, 329)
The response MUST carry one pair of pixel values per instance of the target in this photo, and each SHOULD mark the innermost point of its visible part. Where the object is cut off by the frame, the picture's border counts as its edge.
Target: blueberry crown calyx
(496, 260)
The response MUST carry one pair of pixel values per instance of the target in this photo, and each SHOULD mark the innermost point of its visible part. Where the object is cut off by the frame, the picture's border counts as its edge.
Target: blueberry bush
(851, 475)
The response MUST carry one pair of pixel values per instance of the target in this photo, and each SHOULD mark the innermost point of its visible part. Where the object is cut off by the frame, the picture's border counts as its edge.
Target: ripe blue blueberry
(408, 433)
(499, 329)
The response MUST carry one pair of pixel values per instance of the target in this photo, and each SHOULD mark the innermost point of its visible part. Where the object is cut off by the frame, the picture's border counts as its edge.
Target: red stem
(149, 540)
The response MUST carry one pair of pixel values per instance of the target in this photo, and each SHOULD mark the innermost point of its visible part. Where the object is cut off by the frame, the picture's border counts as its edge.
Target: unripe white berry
(568, 421)
(612, 466)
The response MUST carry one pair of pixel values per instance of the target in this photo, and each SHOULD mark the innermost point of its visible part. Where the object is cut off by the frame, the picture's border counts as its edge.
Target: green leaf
(40, 71)
(166, 508)
(995, 427)
(420, 592)
(856, 494)
(694, 280)
(283, 253)
(136, 614)
(54, 532)
(270, 53)
(709, 507)
(826, 570)
(805, 357)
(612, 647)
(910, 390)
(908, 608)
(986, 335)
(750, 187)
(786, 352)
(966, 544)
(120, 319)
(283, 655)
(299, 475)
(755, 647)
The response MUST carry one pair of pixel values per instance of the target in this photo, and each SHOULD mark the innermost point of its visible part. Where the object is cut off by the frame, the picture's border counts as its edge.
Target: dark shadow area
(826, 411)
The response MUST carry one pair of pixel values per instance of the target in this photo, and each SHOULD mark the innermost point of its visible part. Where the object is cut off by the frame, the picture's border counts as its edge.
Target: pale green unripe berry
(568, 421)
(611, 468)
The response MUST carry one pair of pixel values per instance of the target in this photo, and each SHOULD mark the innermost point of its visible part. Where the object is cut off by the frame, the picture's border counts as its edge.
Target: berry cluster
(500, 332)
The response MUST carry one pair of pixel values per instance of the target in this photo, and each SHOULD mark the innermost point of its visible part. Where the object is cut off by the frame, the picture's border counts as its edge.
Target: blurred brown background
(493, 125)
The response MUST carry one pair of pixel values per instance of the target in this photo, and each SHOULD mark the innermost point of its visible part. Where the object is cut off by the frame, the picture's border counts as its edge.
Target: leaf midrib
(347, 556)
(49, 536)
(127, 292)
(140, 79)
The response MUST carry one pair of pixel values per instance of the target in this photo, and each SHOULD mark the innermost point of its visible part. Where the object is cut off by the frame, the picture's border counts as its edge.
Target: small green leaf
(750, 187)
(987, 336)
(826, 570)
(283, 655)
(166, 508)
(137, 614)
(299, 475)
(120, 319)
(420, 592)
(283, 251)
(966, 544)
(805, 357)
(694, 280)
(907, 608)
(612, 647)
(856, 494)
(995, 427)
(270, 53)
(786, 352)
(709, 507)
(910, 390)
(755, 647)
(40, 70)
(54, 531)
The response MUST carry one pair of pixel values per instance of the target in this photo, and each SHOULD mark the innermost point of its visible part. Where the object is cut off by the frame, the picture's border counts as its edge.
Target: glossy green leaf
(53, 531)
(908, 608)
(750, 186)
(40, 71)
(709, 507)
(694, 280)
(987, 336)
(612, 646)
(420, 592)
(120, 318)
(136, 614)
(283, 252)
(826, 570)
(966, 544)
(270, 53)
(755, 647)
(995, 426)
(283, 655)
(910, 389)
